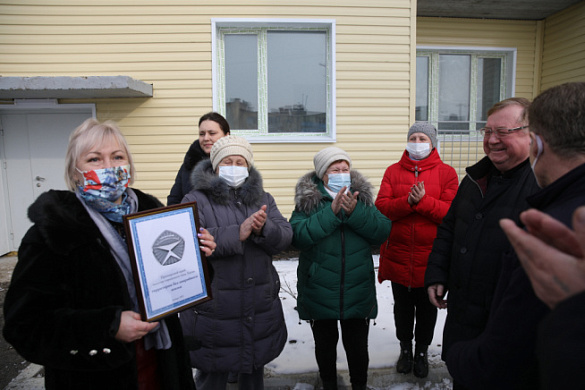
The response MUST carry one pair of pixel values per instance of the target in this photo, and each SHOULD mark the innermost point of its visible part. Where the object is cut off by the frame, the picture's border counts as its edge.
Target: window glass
(488, 87)
(422, 88)
(297, 81)
(274, 80)
(460, 86)
(454, 91)
(241, 80)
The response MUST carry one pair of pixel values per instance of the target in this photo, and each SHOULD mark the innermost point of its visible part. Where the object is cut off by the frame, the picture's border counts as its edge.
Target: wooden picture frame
(170, 270)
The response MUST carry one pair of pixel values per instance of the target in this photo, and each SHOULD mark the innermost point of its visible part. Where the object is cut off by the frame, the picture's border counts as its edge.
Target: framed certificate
(170, 270)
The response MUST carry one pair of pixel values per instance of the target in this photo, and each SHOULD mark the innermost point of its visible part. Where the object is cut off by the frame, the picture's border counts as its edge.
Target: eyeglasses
(500, 133)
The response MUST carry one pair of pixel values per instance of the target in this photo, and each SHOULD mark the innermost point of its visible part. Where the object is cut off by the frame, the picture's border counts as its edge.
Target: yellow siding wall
(168, 44)
(563, 57)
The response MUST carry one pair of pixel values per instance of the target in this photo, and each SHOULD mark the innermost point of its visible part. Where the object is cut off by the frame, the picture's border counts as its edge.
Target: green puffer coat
(336, 274)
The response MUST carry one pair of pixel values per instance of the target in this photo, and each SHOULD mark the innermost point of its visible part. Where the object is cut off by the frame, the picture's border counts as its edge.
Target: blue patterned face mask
(338, 180)
(107, 183)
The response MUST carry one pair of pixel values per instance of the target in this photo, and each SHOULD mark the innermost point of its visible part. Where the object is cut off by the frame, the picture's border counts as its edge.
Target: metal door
(33, 148)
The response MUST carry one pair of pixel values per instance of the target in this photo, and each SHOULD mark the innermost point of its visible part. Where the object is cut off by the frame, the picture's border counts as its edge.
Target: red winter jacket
(403, 257)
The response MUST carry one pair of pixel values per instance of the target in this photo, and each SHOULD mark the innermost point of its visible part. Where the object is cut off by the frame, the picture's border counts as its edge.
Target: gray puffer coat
(242, 327)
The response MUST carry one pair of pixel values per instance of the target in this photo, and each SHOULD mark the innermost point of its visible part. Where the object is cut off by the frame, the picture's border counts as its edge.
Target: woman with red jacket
(415, 194)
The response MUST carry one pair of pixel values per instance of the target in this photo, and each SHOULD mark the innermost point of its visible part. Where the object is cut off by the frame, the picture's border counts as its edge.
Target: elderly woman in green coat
(335, 224)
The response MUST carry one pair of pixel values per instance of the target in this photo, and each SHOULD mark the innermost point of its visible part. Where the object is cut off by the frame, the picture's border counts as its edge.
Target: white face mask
(233, 175)
(418, 150)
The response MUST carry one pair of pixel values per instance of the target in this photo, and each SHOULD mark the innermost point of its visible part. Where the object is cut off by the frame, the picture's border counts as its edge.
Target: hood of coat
(205, 180)
(420, 165)
(194, 155)
(310, 191)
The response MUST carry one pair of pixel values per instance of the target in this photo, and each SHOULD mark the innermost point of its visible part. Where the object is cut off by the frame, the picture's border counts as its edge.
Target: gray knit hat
(328, 156)
(231, 145)
(425, 128)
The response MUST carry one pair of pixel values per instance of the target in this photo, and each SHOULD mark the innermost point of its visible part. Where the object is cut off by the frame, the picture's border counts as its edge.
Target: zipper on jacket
(411, 262)
(411, 273)
(478, 186)
(237, 196)
(342, 281)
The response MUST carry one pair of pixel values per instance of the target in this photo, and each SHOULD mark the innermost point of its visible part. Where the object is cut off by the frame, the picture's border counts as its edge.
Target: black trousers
(354, 334)
(410, 305)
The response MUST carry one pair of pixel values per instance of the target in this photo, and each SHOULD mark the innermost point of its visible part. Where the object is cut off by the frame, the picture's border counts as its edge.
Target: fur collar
(64, 223)
(205, 180)
(310, 191)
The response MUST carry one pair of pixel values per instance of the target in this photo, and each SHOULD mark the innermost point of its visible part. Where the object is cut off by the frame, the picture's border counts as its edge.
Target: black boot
(421, 362)
(329, 385)
(404, 364)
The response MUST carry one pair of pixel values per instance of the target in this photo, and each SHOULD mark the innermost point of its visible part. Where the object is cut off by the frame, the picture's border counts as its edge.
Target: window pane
(297, 82)
(241, 80)
(488, 86)
(422, 89)
(454, 86)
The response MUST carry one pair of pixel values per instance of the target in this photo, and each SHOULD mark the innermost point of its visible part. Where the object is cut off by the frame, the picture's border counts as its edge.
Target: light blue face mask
(338, 180)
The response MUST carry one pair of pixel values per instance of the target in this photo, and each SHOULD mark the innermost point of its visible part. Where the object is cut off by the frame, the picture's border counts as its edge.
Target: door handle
(38, 178)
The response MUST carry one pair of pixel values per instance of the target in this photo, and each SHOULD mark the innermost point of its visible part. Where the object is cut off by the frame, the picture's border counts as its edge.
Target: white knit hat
(425, 128)
(231, 145)
(328, 156)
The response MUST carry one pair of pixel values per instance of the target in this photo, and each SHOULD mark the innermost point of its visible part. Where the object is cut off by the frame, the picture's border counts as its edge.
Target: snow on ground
(298, 355)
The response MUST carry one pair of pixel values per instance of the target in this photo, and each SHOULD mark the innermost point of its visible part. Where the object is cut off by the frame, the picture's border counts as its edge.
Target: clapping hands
(344, 200)
(253, 224)
(417, 191)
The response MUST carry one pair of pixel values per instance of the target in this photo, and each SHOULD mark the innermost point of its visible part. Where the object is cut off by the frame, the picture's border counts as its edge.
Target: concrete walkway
(32, 378)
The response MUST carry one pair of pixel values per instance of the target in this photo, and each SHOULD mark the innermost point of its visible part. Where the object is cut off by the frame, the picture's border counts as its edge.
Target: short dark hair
(558, 116)
(520, 101)
(217, 118)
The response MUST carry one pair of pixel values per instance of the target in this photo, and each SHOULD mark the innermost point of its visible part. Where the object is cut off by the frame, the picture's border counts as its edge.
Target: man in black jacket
(503, 355)
(467, 255)
(557, 120)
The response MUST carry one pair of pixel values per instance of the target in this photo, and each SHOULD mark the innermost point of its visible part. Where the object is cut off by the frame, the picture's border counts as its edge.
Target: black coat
(504, 355)
(561, 340)
(183, 184)
(63, 307)
(467, 253)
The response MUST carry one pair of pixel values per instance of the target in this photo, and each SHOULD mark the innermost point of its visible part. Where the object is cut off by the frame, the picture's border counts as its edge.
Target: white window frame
(261, 135)
(508, 77)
